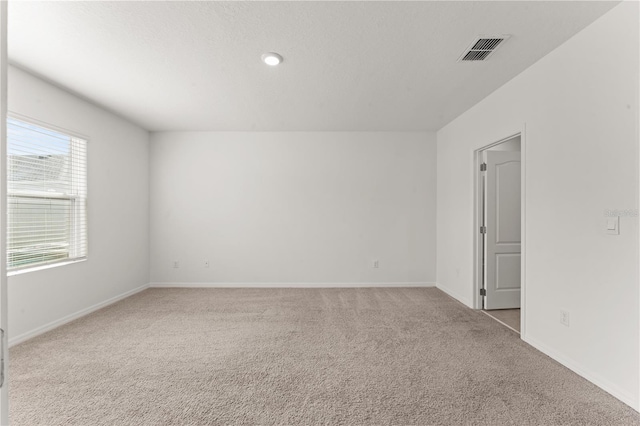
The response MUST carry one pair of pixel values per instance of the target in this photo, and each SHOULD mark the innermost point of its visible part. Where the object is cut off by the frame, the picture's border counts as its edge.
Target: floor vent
(482, 48)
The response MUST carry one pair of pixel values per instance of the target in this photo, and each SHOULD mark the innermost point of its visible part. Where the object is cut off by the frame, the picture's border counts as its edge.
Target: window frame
(67, 261)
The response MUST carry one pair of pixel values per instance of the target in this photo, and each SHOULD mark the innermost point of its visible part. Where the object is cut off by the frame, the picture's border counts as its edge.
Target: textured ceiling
(378, 66)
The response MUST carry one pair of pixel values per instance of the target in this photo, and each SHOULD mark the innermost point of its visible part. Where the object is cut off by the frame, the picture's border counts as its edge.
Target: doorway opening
(499, 231)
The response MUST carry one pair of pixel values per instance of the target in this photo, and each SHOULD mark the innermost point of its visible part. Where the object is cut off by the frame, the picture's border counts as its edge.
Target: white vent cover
(482, 48)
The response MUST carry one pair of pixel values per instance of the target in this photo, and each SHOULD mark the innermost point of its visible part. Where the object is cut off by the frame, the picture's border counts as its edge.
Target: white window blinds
(47, 196)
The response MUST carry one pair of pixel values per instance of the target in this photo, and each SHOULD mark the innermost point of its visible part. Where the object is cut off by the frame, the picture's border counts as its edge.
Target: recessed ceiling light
(271, 58)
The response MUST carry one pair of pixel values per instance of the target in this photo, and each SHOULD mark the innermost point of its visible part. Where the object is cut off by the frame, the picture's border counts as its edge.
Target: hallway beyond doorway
(508, 317)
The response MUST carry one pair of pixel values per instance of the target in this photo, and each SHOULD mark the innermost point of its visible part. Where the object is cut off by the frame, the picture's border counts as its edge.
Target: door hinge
(483, 167)
(483, 229)
(483, 292)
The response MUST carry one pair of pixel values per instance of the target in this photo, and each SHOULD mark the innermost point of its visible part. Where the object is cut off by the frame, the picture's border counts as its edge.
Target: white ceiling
(376, 66)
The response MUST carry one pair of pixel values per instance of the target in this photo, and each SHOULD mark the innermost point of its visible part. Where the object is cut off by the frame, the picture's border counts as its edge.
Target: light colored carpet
(296, 356)
(511, 317)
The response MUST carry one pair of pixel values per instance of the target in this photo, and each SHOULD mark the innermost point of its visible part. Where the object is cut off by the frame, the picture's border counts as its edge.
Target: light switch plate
(613, 225)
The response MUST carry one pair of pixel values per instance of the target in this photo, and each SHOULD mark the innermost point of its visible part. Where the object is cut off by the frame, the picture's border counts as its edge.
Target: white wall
(118, 206)
(4, 317)
(580, 106)
(293, 208)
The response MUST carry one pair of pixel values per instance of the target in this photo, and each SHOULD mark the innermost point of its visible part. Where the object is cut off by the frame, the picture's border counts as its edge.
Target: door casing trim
(477, 241)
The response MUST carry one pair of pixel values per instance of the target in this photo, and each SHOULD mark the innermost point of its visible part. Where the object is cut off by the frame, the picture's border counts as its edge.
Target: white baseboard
(287, 285)
(456, 296)
(57, 323)
(572, 365)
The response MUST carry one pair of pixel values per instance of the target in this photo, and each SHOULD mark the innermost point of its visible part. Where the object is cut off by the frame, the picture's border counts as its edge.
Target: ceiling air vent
(482, 48)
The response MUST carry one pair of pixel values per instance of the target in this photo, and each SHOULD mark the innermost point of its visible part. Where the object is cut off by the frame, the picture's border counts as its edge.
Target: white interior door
(502, 237)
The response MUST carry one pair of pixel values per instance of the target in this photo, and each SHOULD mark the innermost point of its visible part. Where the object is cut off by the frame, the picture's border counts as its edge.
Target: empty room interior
(320, 212)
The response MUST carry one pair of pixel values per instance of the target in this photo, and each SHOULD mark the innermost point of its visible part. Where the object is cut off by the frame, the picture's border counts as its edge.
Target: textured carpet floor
(296, 356)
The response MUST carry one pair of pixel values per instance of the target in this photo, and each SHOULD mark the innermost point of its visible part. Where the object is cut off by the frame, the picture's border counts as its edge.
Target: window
(47, 196)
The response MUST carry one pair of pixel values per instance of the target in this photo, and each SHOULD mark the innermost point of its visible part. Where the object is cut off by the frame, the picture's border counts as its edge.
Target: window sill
(42, 267)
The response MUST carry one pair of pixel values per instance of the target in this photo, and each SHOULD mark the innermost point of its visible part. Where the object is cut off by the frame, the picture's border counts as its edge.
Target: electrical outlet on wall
(376, 264)
(206, 264)
(564, 317)
(176, 264)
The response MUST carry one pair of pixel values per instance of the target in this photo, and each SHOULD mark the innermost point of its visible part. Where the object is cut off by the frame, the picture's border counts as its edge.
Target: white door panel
(502, 238)
(507, 271)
